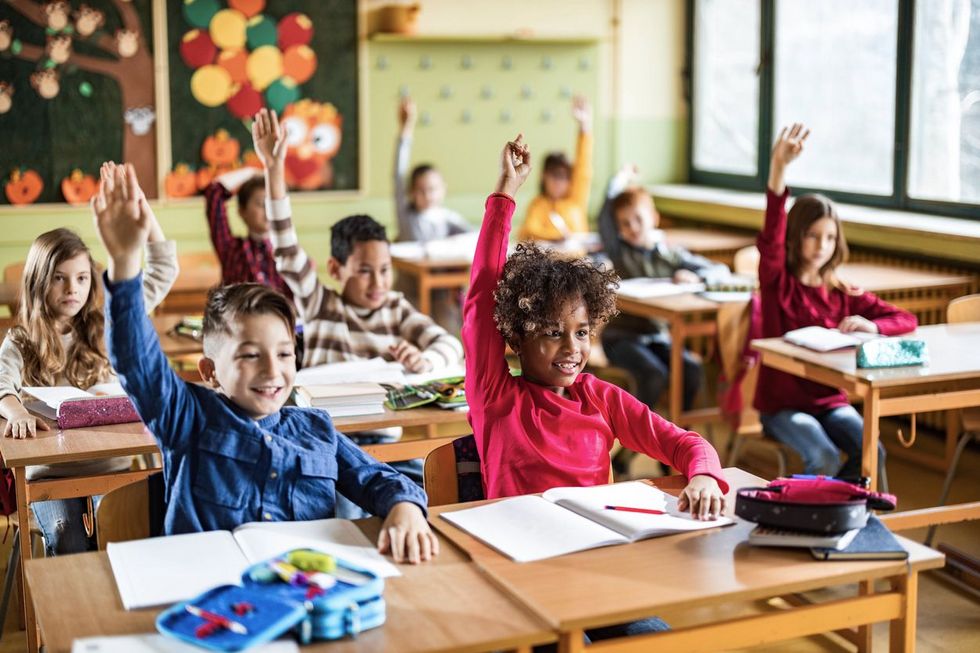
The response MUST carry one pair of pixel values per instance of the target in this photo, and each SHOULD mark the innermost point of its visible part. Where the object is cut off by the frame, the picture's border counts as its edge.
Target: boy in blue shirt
(232, 453)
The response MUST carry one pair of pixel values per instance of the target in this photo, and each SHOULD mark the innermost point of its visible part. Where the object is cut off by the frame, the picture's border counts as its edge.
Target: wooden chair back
(964, 309)
(746, 261)
(733, 330)
(193, 260)
(13, 272)
(123, 514)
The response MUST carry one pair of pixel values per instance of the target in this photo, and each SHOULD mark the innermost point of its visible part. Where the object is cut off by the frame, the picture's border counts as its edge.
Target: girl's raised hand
(789, 144)
(269, 138)
(582, 112)
(515, 166)
(122, 226)
(407, 114)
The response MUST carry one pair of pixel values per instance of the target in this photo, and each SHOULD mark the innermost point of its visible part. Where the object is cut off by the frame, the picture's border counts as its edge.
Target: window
(890, 89)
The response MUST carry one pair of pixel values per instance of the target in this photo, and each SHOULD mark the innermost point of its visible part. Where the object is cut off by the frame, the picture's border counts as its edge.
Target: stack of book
(873, 542)
(343, 400)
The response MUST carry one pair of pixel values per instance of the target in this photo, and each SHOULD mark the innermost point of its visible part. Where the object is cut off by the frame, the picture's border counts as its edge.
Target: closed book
(821, 339)
(766, 536)
(336, 395)
(873, 542)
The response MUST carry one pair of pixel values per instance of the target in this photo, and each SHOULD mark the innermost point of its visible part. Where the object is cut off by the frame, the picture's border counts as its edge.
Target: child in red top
(554, 426)
(799, 255)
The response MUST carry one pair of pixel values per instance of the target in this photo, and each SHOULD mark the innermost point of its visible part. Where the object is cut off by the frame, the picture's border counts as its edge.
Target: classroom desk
(669, 575)
(432, 274)
(189, 292)
(444, 605)
(711, 243)
(55, 446)
(174, 344)
(409, 446)
(951, 379)
(924, 293)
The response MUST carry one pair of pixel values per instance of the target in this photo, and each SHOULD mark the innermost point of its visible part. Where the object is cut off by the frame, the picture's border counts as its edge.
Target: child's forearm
(777, 177)
(11, 408)
(275, 181)
(124, 267)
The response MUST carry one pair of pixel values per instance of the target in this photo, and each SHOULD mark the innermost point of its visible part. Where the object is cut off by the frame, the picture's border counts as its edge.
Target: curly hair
(537, 283)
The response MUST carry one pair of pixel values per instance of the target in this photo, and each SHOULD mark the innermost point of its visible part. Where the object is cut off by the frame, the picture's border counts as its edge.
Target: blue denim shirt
(221, 468)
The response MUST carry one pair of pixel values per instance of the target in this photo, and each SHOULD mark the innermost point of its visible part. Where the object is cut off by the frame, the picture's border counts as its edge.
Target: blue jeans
(819, 439)
(639, 627)
(61, 524)
(647, 358)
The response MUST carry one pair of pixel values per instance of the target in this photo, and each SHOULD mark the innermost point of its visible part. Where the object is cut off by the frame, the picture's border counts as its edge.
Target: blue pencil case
(294, 591)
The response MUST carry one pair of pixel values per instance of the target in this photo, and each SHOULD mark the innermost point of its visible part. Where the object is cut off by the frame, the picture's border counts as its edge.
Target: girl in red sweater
(799, 288)
(554, 426)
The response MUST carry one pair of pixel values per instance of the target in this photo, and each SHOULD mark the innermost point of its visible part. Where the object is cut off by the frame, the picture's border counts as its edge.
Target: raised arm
(608, 231)
(482, 342)
(295, 267)
(164, 402)
(772, 239)
(582, 168)
(403, 154)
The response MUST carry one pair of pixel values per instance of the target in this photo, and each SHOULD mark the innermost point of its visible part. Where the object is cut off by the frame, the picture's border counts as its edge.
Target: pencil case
(892, 352)
(276, 597)
(444, 393)
(813, 504)
(100, 411)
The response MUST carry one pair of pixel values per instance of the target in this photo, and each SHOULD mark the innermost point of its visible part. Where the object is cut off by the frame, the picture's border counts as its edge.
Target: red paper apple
(246, 102)
(295, 29)
(197, 49)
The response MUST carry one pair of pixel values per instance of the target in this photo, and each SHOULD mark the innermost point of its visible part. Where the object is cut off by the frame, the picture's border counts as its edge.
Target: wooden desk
(409, 446)
(189, 293)
(711, 243)
(444, 605)
(925, 294)
(174, 344)
(432, 274)
(950, 380)
(667, 576)
(54, 446)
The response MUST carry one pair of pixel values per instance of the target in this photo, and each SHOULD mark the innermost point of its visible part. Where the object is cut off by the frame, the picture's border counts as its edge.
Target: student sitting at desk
(636, 248)
(231, 452)
(799, 287)
(58, 340)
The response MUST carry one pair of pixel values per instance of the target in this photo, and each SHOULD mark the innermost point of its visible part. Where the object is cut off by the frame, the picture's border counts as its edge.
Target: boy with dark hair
(232, 453)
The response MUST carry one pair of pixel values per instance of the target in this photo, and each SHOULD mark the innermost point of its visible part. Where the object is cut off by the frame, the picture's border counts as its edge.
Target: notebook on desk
(569, 519)
(821, 339)
(873, 542)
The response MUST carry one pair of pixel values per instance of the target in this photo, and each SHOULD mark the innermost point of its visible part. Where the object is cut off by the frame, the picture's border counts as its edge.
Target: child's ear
(333, 268)
(206, 368)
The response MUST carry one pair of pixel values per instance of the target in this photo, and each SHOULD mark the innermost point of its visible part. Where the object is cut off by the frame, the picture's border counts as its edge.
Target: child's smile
(555, 355)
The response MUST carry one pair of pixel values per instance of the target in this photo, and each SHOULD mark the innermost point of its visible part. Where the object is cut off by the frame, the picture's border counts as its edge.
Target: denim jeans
(61, 524)
(819, 439)
(639, 627)
(647, 358)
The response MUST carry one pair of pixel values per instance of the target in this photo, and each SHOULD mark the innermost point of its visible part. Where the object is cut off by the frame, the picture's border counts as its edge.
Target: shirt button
(274, 475)
(267, 516)
(268, 438)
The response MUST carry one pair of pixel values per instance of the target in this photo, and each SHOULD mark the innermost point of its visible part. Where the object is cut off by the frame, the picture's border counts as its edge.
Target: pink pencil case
(100, 411)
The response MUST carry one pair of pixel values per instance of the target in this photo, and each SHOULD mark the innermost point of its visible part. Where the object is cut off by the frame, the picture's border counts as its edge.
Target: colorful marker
(217, 619)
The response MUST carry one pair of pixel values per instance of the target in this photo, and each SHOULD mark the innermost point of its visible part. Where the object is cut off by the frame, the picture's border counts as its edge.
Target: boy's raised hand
(406, 535)
(122, 226)
(788, 146)
(269, 138)
(515, 166)
(108, 171)
(702, 497)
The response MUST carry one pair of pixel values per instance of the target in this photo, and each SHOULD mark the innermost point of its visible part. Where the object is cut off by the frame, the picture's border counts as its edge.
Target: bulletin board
(229, 59)
(76, 88)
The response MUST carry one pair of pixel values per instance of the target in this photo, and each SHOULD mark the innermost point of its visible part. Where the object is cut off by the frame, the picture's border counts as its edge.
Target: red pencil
(646, 511)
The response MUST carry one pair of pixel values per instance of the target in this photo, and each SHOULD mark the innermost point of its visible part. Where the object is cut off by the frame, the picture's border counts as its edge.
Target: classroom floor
(948, 617)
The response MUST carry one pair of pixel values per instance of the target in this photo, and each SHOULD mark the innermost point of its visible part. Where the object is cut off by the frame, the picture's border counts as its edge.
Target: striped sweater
(335, 331)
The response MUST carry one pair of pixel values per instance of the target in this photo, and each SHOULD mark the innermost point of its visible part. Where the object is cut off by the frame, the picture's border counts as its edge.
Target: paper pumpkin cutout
(313, 138)
(220, 149)
(200, 12)
(248, 7)
(23, 188)
(299, 63)
(246, 102)
(78, 188)
(251, 160)
(211, 85)
(197, 49)
(227, 29)
(234, 62)
(203, 177)
(264, 66)
(180, 182)
(261, 31)
(6, 97)
(87, 20)
(295, 29)
(281, 92)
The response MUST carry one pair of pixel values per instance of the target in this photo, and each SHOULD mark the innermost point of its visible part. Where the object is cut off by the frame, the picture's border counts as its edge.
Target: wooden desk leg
(901, 633)
(869, 456)
(863, 641)
(24, 524)
(425, 293)
(676, 376)
(572, 642)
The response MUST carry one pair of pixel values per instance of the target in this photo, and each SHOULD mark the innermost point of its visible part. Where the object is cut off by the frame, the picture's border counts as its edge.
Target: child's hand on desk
(686, 276)
(410, 357)
(406, 535)
(24, 426)
(703, 497)
(853, 323)
(515, 166)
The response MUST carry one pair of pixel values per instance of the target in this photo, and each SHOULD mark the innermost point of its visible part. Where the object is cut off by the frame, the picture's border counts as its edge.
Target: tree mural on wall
(125, 57)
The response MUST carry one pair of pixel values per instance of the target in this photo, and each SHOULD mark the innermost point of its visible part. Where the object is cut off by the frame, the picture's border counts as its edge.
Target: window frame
(899, 198)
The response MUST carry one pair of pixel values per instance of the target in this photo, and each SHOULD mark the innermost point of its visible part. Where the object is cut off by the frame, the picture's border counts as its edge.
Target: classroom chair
(733, 331)
(963, 309)
(13, 567)
(123, 514)
(451, 473)
(13, 272)
(746, 261)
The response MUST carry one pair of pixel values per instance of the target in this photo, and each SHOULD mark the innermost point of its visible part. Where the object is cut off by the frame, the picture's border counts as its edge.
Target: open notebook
(649, 287)
(568, 519)
(819, 338)
(163, 570)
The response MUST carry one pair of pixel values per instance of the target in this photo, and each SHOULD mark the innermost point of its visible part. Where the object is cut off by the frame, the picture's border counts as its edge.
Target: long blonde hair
(35, 333)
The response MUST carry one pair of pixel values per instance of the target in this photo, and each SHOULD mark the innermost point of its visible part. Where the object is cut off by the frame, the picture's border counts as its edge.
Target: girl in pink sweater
(799, 255)
(554, 426)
